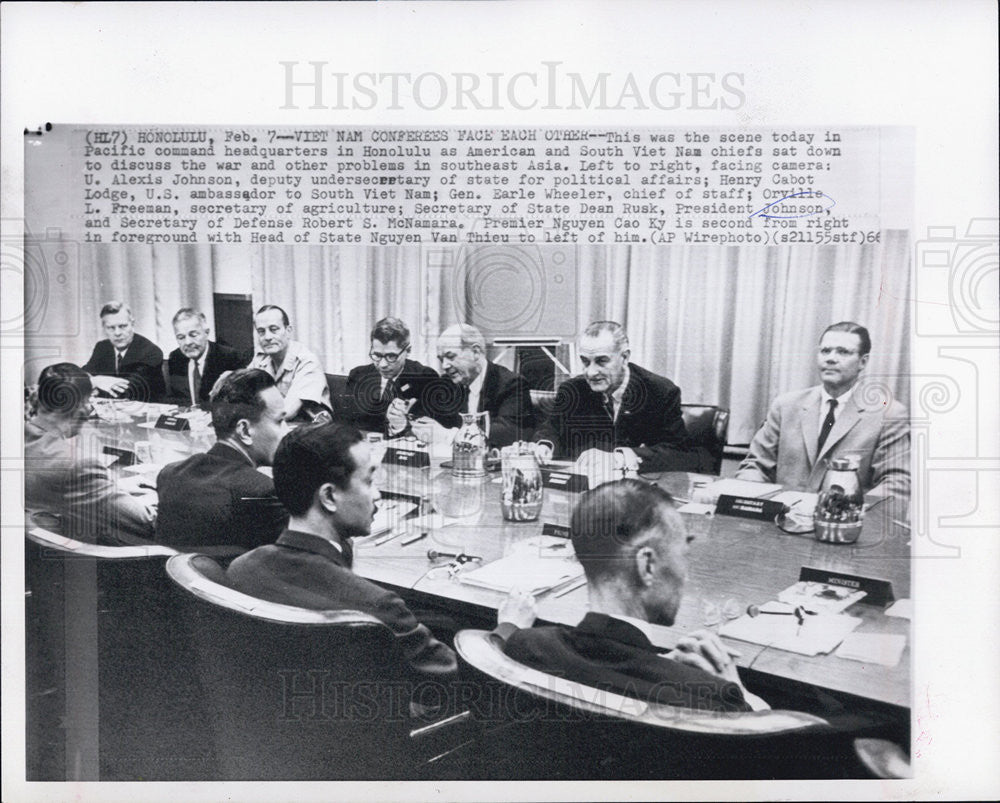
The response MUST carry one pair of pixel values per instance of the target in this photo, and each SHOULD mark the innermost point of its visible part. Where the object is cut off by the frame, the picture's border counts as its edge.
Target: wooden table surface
(731, 561)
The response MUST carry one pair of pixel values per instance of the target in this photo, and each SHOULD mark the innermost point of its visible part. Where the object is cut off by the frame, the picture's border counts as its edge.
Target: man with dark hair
(633, 546)
(617, 407)
(473, 384)
(841, 417)
(390, 377)
(126, 365)
(323, 475)
(219, 498)
(297, 372)
(197, 363)
(64, 474)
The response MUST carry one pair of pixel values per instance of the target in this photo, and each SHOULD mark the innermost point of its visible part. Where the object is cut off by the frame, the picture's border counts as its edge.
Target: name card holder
(173, 423)
(878, 592)
(406, 457)
(748, 507)
(401, 496)
(125, 457)
(555, 530)
(565, 481)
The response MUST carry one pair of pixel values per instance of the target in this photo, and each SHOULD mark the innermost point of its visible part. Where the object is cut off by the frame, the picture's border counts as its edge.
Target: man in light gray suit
(806, 429)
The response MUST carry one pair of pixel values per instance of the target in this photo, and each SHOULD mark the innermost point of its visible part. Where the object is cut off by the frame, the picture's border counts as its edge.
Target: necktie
(195, 384)
(609, 407)
(827, 426)
(465, 400)
(388, 393)
(118, 361)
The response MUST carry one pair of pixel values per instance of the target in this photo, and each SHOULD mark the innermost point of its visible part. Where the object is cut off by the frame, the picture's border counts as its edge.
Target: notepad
(137, 484)
(884, 649)
(390, 515)
(536, 568)
(816, 635)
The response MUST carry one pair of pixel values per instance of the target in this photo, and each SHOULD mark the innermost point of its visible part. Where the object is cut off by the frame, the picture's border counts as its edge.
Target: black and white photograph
(427, 445)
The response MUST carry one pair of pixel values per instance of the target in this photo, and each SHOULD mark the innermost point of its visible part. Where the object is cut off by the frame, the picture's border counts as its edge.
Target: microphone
(753, 611)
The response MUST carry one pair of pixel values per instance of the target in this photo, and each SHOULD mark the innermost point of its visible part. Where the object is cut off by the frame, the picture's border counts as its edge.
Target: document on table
(710, 494)
(137, 484)
(538, 565)
(390, 515)
(873, 648)
(820, 597)
(817, 635)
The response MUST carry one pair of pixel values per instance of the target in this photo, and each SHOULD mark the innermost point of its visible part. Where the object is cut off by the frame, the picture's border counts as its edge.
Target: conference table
(733, 562)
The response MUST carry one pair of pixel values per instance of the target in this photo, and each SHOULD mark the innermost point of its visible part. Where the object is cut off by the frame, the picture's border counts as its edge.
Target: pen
(414, 540)
(754, 611)
(385, 539)
(571, 587)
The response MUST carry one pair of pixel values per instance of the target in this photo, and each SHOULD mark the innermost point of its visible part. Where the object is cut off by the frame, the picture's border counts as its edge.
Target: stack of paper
(390, 515)
(536, 568)
(816, 635)
(873, 648)
(710, 494)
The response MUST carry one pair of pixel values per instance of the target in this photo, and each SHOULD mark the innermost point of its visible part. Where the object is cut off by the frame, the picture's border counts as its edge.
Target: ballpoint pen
(414, 539)
(385, 539)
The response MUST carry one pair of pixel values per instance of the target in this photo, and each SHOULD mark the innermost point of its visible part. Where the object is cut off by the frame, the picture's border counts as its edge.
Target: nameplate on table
(555, 530)
(878, 592)
(565, 481)
(400, 496)
(173, 423)
(748, 507)
(406, 457)
(125, 457)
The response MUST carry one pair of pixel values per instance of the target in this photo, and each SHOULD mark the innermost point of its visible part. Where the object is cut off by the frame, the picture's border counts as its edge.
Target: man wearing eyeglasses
(384, 391)
(806, 429)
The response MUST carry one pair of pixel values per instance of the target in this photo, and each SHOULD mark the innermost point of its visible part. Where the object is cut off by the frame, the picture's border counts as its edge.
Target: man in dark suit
(476, 385)
(323, 475)
(63, 472)
(390, 375)
(194, 367)
(633, 546)
(219, 498)
(617, 407)
(126, 365)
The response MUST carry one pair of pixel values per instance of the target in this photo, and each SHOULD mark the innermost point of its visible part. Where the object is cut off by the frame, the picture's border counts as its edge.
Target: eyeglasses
(826, 351)
(389, 357)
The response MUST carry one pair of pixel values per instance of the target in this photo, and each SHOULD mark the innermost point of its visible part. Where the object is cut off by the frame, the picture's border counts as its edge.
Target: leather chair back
(541, 403)
(109, 696)
(293, 694)
(707, 427)
(559, 729)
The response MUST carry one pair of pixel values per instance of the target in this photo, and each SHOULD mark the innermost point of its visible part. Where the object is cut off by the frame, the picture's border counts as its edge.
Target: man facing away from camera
(633, 546)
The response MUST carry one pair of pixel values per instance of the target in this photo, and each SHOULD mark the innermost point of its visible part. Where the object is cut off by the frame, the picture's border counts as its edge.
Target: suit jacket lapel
(489, 389)
(848, 417)
(209, 360)
(810, 424)
(632, 398)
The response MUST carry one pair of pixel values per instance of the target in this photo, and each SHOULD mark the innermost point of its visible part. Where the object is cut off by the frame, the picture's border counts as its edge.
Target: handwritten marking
(762, 212)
